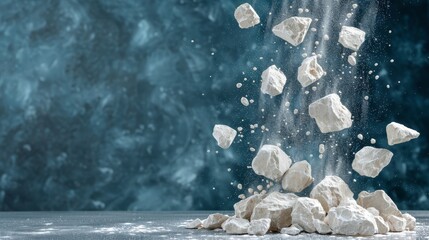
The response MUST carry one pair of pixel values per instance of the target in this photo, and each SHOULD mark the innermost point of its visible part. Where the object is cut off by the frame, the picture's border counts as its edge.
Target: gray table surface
(145, 225)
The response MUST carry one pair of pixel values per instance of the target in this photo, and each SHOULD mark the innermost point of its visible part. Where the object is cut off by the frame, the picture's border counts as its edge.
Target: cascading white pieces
(304, 211)
(292, 230)
(236, 225)
(246, 16)
(297, 177)
(369, 161)
(214, 221)
(380, 201)
(396, 224)
(398, 133)
(330, 114)
(351, 219)
(351, 37)
(331, 191)
(411, 221)
(273, 81)
(321, 227)
(259, 226)
(382, 226)
(244, 208)
(277, 207)
(292, 30)
(310, 71)
(224, 135)
(197, 223)
(271, 162)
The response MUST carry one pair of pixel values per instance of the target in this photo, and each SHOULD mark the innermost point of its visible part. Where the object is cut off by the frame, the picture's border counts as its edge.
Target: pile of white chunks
(331, 208)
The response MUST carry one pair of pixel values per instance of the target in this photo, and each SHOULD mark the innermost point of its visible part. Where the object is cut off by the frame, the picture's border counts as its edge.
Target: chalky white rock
(271, 162)
(396, 224)
(351, 219)
(330, 114)
(259, 226)
(277, 207)
(197, 223)
(292, 230)
(236, 225)
(321, 227)
(351, 37)
(331, 191)
(310, 71)
(273, 81)
(382, 226)
(292, 30)
(305, 211)
(246, 16)
(411, 221)
(298, 177)
(224, 135)
(244, 208)
(398, 133)
(379, 200)
(369, 161)
(214, 221)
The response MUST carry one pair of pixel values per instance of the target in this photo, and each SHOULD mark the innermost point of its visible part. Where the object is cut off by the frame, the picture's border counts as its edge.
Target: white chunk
(351, 37)
(352, 60)
(246, 16)
(373, 211)
(259, 226)
(244, 101)
(373, 141)
(292, 230)
(298, 177)
(244, 208)
(382, 226)
(369, 161)
(197, 223)
(360, 136)
(271, 162)
(305, 211)
(214, 221)
(351, 219)
(326, 37)
(396, 224)
(331, 191)
(239, 186)
(411, 221)
(398, 133)
(236, 225)
(224, 135)
(321, 148)
(330, 114)
(277, 207)
(321, 227)
(309, 71)
(379, 200)
(273, 81)
(292, 30)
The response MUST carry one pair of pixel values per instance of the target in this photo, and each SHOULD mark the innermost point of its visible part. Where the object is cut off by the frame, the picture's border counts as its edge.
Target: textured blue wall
(110, 104)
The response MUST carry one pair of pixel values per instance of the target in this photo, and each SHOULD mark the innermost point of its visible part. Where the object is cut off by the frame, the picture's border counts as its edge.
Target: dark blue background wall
(110, 104)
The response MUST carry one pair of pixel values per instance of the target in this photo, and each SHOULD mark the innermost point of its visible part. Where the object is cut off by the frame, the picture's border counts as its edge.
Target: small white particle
(376, 77)
(239, 186)
(300, 10)
(354, 5)
(238, 85)
(373, 141)
(252, 149)
(366, 98)
(392, 60)
(250, 190)
(360, 136)
(244, 101)
(388, 86)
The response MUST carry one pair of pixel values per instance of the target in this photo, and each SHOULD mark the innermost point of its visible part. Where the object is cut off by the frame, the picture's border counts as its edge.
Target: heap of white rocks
(330, 207)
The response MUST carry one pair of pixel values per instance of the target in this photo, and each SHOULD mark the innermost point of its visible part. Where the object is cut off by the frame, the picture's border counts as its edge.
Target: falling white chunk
(360, 136)
(224, 135)
(292, 230)
(305, 211)
(411, 221)
(298, 177)
(244, 208)
(382, 225)
(244, 101)
(352, 60)
(292, 30)
(259, 226)
(331, 191)
(214, 221)
(321, 148)
(373, 141)
(273, 81)
(321, 227)
(236, 225)
(277, 207)
(246, 16)
(330, 114)
(351, 37)
(369, 161)
(351, 219)
(271, 162)
(398, 133)
(309, 71)
(396, 224)
(380, 201)
(194, 224)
